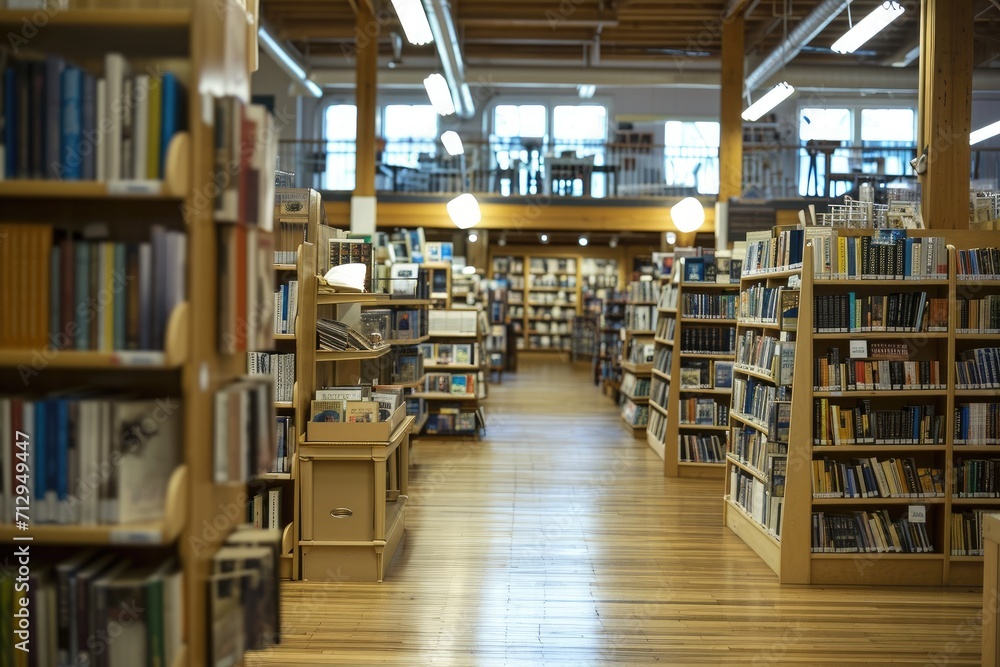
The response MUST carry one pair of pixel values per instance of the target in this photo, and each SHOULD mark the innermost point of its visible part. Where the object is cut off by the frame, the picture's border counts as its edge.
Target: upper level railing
(526, 168)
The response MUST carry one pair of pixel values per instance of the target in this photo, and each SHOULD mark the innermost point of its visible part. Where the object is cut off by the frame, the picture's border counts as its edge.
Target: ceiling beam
(550, 25)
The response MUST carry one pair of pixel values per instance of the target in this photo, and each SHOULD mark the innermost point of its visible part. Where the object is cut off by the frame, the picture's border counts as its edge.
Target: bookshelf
(636, 353)
(692, 375)
(456, 366)
(861, 449)
(186, 368)
(608, 360)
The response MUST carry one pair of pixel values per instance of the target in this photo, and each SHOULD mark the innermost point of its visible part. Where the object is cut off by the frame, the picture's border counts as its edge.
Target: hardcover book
(361, 411)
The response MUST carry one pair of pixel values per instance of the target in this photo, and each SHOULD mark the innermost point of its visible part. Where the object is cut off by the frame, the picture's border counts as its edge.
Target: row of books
(977, 478)
(635, 414)
(508, 265)
(706, 374)
(710, 306)
(444, 322)
(461, 384)
(94, 608)
(246, 148)
(978, 316)
(668, 297)
(659, 389)
(702, 412)
(552, 280)
(285, 437)
(754, 399)
(403, 365)
(978, 369)
(286, 306)
(657, 425)
(905, 312)
(410, 281)
(753, 496)
(640, 350)
(881, 375)
(886, 254)
(872, 531)
(245, 289)
(766, 354)
(94, 459)
(281, 369)
(663, 359)
(766, 252)
(442, 354)
(702, 448)
(63, 122)
(708, 340)
(978, 264)
(243, 433)
(642, 290)
(543, 265)
(711, 269)
(264, 510)
(394, 323)
(451, 420)
(640, 318)
(760, 303)
(752, 448)
(836, 425)
(871, 478)
(66, 292)
(967, 532)
(665, 328)
(636, 387)
(355, 404)
(977, 424)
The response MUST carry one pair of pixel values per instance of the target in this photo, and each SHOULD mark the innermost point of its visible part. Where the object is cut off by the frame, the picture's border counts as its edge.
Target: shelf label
(917, 513)
(859, 349)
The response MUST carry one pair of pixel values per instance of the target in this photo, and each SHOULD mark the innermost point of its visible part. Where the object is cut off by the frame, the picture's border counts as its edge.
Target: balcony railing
(524, 168)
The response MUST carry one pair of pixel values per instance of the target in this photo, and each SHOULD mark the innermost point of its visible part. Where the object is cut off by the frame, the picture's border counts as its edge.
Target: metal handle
(341, 513)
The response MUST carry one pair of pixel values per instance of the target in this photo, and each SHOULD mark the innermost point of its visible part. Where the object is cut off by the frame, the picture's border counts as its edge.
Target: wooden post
(946, 111)
(366, 69)
(730, 110)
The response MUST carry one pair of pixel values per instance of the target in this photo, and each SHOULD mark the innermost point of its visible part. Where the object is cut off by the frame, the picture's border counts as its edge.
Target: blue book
(284, 309)
(173, 116)
(88, 127)
(62, 450)
(54, 294)
(10, 124)
(81, 295)
(120, 298)
(52, 456)
(907, 257)
(72, 124)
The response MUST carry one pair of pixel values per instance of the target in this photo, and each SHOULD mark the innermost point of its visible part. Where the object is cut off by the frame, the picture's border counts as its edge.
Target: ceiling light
(439, 94)
(583, 240)
(671, 238)
(544, 238)
(414, 21)
(613, 242)
(452, 143)
(985, 133)
(464, 211)
(868, 27)
(502, 241)
(473, 237)
(586, 90)
(771, 99)
(688, 215)
(287, 62)
(469, 270)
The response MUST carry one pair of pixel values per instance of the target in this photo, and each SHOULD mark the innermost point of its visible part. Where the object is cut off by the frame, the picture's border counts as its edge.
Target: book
(723, 374)
(327, 411)
(361, 411)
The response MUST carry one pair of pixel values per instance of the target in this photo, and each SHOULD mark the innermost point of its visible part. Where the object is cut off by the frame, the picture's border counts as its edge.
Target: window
(410, 132)
(341, 134)
(691, 154)
(888, 125)
(512, 121)
(516, 145)
(579, 132)
(824, 126)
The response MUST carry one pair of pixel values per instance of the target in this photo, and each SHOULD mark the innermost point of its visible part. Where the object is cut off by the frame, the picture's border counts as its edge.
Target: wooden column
(730, 108)
(366, 70)
(946, 110)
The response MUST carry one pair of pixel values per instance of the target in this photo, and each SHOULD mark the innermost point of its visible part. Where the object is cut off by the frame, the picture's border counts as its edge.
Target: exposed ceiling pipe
(803, 33)
(446, 43)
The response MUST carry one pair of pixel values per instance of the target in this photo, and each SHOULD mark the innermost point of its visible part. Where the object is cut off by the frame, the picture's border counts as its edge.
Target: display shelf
(450, 367)
(749, 469)
(881, 335)
(442, 396)
(407, 341)
(285, 267)
(637, 369)
(660, 374)
(751, 371)
(351, 355)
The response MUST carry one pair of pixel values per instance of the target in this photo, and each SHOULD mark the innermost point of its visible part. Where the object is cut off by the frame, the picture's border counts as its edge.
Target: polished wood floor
(557, 541)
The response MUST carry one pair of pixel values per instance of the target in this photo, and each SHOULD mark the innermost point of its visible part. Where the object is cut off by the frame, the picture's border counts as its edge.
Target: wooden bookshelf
(667, 431)
(790, 553)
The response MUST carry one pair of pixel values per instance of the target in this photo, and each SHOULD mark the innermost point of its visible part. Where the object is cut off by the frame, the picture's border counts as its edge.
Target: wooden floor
(557, 541)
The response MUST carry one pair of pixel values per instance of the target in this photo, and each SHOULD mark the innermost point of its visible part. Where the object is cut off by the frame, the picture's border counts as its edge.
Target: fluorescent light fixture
(868, 27)
(439, 94)
(464, 211)
(503, 240)
(544, 238)
(287, 62)
(469, 270)
(771, 99)
(452, 143)
(583, 240)
(473, 237)
(586, 90)
(414, 21)
(613, 243)
(984, 133)
(688, 215)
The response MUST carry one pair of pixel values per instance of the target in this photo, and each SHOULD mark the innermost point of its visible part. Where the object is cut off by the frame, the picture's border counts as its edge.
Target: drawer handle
(341, 513)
